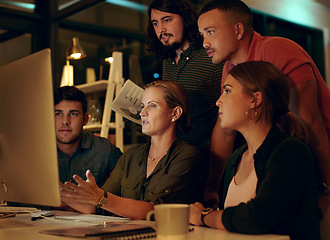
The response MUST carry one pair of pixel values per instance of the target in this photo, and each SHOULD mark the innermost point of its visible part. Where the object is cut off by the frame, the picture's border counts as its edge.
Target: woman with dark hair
(164, 170)
(269, 183)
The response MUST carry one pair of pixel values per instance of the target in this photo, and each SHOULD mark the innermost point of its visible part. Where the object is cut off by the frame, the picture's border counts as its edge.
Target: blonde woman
(164, 170)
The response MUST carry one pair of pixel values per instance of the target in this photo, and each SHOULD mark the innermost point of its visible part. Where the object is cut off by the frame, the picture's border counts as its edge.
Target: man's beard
(169, 51)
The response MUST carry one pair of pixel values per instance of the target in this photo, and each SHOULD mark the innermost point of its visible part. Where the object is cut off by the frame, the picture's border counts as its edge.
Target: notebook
(108, 231)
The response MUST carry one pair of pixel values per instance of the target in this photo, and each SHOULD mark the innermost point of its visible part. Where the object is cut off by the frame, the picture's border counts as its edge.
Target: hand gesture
(82, 196)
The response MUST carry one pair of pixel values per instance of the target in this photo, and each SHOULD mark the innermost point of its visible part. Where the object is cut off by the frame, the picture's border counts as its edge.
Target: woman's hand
(195, 213)
(82, 196)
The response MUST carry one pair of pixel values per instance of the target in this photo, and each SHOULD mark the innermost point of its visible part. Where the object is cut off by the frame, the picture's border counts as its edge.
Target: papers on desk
(91, 218)
(108, 231)
(12, 209)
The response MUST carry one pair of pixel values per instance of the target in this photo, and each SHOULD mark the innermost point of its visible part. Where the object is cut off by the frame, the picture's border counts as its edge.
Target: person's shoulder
(136, 149)
(278, 44)
(134, 153)
(282, 52)
(97, 139)
(292, 149)
(294, 142)
(100, 141)
(292, 157)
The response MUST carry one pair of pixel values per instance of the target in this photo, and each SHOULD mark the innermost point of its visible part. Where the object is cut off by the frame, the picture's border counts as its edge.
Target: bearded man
(173, 35)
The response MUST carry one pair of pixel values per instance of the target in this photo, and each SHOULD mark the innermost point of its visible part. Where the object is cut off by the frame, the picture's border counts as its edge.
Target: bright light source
(129, 4)
(76, 55)
(29, 6)
(109, 59)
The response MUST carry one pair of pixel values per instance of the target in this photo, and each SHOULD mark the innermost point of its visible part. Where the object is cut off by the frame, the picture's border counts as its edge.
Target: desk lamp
(73, 52)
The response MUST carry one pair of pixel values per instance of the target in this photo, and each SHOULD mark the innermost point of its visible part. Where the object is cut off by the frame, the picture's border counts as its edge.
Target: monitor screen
(28, 153)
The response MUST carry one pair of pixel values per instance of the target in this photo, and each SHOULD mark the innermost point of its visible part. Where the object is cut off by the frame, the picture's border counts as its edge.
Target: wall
(304, 12)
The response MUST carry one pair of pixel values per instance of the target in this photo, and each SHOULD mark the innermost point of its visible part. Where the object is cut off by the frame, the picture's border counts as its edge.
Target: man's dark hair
(188, 14)
(70, 93)
(238, 10)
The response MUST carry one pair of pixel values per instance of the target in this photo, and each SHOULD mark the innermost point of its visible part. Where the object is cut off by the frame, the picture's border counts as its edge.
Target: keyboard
(92, 218)
(9, 209)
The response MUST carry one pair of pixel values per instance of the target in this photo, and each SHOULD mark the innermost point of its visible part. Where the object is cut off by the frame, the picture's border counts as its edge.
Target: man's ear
(239, 30)
(86, 117)
(177, 111)
(256, 102)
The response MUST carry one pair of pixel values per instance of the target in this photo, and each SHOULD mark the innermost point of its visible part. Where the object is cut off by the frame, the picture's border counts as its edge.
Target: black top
(286, 200)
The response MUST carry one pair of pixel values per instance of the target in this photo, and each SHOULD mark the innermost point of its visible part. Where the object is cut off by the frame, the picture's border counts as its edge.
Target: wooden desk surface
(21, 227)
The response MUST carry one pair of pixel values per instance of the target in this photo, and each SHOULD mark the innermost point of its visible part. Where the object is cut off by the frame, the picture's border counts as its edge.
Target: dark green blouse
(179, 177)
(286, 201)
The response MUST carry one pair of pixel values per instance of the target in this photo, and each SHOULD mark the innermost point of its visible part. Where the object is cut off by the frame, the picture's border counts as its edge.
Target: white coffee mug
(172, 221)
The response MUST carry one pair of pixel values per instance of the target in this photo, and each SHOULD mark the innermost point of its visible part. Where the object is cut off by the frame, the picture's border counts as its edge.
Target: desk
(31, 231)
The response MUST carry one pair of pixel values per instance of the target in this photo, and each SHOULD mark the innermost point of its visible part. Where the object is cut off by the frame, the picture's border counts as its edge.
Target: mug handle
(149, 215)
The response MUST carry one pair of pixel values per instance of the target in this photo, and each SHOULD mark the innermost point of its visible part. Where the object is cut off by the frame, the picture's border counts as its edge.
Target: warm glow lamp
(73, 52)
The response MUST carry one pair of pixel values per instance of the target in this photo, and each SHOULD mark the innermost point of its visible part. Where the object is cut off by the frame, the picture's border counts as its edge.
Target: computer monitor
(28, 153)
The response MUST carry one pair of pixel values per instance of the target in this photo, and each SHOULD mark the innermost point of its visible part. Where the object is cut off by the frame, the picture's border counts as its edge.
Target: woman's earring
(255, 114)
(173, 119)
